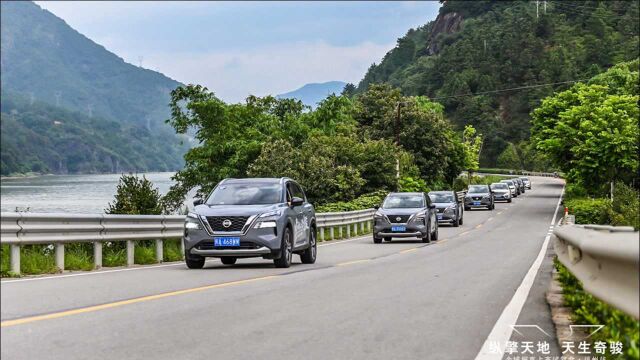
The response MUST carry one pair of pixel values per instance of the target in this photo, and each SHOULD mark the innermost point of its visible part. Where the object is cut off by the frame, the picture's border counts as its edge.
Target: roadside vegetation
(591, 133)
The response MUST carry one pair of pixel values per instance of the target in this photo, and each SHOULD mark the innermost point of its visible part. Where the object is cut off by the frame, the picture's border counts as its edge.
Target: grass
(78, 256)
(336, 232)
(172, 251)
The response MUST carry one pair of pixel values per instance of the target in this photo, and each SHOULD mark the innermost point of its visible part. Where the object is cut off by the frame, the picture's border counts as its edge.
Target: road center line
(88, 309)
(408, 250)
(352, 262)
(502, 330)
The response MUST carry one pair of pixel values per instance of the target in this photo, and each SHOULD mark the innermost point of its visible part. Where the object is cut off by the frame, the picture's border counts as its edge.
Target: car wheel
(309, 255)
(228, 260)
(457, 222)
(377, 240)
(460, 221)
(286, 250)
(467, 208)
(509, 200)
(427, 238)
(434, 237)
(387, 239)
(194, 261)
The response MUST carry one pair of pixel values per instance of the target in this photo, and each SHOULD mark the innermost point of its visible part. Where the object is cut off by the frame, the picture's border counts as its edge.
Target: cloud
(234, 74)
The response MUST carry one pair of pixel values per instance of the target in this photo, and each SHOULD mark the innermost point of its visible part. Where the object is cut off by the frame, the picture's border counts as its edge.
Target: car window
(295, 190)
(442, 197)
(499, 186)
(402, 201)
(478, 189)
(245, 194)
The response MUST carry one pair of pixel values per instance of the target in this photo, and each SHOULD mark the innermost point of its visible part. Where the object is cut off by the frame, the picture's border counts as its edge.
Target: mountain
(311, 94)
(46, 62)
(486, 47)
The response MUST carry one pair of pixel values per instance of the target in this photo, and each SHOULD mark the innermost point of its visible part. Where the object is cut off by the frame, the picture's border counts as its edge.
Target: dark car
(527, 182)
(405, 214)
(449, 207)
(520, 184)
(501, 191)
(241, 218)
(479, 196)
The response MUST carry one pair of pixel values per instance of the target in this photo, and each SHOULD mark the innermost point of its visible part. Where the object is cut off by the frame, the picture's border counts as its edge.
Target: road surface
(398, 300)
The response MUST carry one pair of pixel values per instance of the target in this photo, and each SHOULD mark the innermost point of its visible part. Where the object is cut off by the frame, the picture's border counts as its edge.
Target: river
(88, 194)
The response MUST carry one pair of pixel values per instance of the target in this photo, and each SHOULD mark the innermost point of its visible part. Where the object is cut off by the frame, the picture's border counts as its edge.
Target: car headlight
(265, 224)
(381, 217)
(450, 209)
(274, 213)
(192, 221)
(418, 217)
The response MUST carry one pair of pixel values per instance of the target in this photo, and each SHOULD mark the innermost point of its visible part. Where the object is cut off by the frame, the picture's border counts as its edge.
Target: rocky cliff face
(444, 24)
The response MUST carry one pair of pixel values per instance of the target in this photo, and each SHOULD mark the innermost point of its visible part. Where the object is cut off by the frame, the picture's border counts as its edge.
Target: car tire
(309, 256)
(377, 240)
(509, 200)
(434, 236)
(461, 220)
(193, 261)
(427, 239)
(387, 239)
(228, 260)
(467, 208)
(493, 206)
(286, 250)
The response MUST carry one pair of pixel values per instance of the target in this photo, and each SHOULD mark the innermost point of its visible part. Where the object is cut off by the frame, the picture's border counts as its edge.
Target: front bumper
(502, 197)
(254, 243)
(445, 218)
(381, 230)
(472, 203)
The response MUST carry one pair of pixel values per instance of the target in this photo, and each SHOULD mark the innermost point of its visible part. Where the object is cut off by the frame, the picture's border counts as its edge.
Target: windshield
(246, 194)
(508, 182)
(499, 186)
(442, 198)
(474, 189)
(403, 202)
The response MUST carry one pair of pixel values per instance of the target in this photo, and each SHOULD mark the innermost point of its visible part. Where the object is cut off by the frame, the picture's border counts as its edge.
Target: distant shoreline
(33, 175)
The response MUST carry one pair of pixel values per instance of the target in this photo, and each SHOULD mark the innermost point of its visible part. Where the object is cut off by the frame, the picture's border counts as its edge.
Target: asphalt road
(398, 300)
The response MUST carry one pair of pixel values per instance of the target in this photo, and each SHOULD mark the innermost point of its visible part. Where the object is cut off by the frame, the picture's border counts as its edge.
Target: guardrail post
(321, 233)
(340, 231)
(130, 252)
(97, 255)
(348, 231)
(331, 233)
(362, 228)
(182, 247)
(159, 252)
(15, 258)
(60, 256)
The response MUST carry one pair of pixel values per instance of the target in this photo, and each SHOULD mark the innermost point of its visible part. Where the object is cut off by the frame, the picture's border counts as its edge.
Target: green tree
(472, 145)
(591, 131)
(510, 159)
(135, 196)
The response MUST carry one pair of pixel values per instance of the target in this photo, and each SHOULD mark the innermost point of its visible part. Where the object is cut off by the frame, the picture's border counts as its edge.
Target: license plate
(476, 203)
(398, 228)
(439, 217)
(226, 241)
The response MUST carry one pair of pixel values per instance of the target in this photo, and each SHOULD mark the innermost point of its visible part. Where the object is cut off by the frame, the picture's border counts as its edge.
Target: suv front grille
(476, 197)
(399, 219)
(440, 210)
(237, 223)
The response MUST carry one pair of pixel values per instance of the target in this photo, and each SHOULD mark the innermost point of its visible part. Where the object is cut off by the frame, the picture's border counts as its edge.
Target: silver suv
(260, 217)
(406, 214)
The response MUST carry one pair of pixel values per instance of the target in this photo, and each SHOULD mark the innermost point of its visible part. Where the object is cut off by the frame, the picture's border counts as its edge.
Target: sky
(242, 48)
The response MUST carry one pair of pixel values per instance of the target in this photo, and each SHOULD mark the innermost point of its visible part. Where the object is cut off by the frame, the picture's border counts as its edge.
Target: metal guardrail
(606, 259)
(19, 229)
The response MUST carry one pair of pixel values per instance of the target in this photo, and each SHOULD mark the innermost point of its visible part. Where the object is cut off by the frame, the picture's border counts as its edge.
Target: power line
(510, 89)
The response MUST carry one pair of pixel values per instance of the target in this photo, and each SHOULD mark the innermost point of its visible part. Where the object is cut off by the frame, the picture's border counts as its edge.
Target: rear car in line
(501, 192)
(405, 215)
(449, 208)
(479, 196)
(260, 217)
(527, 182)
(520, 184)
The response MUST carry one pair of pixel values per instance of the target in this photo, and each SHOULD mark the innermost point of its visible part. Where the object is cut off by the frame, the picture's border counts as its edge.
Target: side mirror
(198, 201)
(376, 207)
(432, 206)
(296, 201)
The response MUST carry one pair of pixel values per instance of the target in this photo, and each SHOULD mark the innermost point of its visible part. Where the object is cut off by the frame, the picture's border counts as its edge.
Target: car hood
(443, 205)
(501, 191)
(404, 211)
(478, 194)
(235, 210)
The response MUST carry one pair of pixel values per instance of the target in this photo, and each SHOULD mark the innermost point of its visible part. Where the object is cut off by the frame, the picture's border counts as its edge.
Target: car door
(300, 225)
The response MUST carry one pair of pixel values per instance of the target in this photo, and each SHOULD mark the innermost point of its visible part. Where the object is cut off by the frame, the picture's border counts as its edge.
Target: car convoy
(272, 218)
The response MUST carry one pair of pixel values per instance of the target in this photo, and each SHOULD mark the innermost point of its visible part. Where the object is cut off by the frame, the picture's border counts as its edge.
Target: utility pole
(397, 131)
(545, 6)
(537, 6)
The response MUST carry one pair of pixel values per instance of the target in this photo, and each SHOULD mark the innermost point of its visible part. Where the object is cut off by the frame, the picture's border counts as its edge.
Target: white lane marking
(146, 267)
(502, 330)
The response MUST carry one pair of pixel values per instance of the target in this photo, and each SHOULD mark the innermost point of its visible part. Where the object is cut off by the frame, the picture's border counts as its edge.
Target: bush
(366, 201)
(136, 196)
(626, 206)
(409, 184)
(587, 310)
(590, 211)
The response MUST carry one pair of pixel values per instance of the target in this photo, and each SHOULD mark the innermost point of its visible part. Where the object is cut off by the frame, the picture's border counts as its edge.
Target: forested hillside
(61, 75)
(43, 138)
(483, 46)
